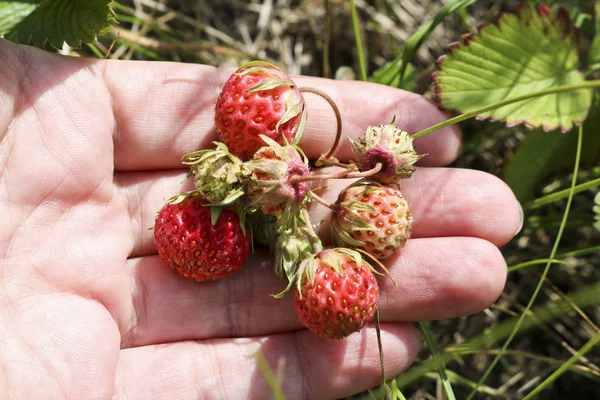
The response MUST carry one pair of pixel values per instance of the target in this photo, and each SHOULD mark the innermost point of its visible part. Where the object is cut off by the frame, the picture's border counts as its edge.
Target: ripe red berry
(338, 293)
(258, 99)
(194, 247)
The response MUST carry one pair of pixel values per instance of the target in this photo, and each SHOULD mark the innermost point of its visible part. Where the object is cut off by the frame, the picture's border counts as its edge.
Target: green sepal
(271, 84)
(215, 212)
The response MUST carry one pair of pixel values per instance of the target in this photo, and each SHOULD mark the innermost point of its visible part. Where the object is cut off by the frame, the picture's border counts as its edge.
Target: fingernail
(522, 218)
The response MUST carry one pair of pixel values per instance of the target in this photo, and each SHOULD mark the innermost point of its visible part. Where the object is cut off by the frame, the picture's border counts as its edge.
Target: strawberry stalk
(338, 117)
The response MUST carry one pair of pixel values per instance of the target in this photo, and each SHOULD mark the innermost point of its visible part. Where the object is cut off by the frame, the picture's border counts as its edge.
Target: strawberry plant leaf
(521, 53)
(55, 22)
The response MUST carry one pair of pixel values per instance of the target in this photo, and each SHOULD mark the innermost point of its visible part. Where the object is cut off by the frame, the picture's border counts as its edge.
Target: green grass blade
(544, 274)
(95, 50)
(583, 298)
(440, 365)
(517, 267)
(552, 197)
(359, 46)
(563, 368)
(580, 252)
(272, 380)
(414, 43)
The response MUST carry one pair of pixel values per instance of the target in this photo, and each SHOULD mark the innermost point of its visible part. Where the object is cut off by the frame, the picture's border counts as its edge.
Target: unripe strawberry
(272, 173)
(259, 99)
(196, 248)
(389, 146)
(337, 293)
(372, 217)
(217, 174)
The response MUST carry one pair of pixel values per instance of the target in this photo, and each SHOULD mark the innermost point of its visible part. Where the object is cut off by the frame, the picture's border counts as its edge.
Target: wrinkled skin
(90, 150)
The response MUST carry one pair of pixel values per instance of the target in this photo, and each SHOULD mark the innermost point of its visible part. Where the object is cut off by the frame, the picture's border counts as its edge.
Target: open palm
(90, 150)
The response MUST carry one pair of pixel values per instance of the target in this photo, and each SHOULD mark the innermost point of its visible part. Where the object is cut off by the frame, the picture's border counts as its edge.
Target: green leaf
(532, 51)
(39, 22)
(541, 154)
(389, 75)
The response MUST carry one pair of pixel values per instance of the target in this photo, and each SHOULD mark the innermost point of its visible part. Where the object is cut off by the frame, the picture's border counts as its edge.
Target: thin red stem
(322, 201)
(338, 117)
(346, 174)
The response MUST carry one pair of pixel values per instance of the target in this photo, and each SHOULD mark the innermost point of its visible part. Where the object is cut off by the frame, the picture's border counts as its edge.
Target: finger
(448, 202)
(443, 202)
(164, 110)
(313, 367)
(437, 278)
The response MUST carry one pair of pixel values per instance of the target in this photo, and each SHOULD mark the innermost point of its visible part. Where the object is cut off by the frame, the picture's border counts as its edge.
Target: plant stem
(346, 174)
(381, 359)
(322, 201)
(544, 274)
(316, 242)
(440, 365)
(338, 117)
(552, 197)
(359, 46)
(484, 109)
(533, 262)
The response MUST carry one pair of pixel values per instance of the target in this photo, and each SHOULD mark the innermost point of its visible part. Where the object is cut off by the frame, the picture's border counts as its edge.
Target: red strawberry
(372, 217)
(337, 293)
(258, 98)
(193, 246)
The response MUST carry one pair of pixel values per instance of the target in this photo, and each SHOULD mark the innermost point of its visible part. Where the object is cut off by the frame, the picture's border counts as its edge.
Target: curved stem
(332, 162)
(338, 117)
(481, 110)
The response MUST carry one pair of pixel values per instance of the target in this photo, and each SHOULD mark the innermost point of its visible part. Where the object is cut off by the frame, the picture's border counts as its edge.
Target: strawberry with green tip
(372, 217)
(337, 293)
(195, 247)
(259, 99)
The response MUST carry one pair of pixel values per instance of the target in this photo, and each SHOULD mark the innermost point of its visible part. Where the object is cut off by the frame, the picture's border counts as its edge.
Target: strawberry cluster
(254, 187)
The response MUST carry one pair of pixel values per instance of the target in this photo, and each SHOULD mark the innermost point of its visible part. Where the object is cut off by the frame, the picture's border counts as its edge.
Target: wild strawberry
(337, 293)
(372, 217)
(276, 174)
(389, 146)
(196, 248)
(259, 98)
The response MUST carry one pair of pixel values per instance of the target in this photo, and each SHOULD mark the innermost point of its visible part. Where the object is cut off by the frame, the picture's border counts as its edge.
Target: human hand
(89, 152)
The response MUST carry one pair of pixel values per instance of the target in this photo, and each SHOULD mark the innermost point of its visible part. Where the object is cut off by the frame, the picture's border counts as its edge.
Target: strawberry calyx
(269, 177)
(217, 174)
(389, 146)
